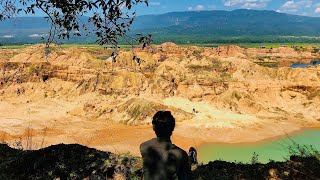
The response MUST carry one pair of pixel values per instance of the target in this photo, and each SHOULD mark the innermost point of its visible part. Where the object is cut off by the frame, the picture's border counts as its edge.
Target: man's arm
(184, 169)
(145, 158)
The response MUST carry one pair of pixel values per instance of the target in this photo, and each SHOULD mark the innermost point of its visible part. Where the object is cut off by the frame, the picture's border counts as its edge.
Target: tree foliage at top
(109, 20)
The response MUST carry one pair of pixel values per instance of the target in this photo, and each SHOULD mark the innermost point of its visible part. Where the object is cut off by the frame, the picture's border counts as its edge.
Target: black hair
(192, 149)
(163, 124)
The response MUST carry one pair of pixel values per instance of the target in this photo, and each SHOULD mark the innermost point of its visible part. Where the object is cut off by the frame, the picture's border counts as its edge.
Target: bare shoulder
(179, 152)
(146, 144)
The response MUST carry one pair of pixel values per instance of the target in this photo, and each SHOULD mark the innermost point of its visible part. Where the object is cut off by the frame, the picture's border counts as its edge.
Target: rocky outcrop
(226, 77)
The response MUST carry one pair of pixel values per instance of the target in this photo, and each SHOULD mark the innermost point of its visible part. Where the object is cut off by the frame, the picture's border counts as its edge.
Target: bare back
(164, 160)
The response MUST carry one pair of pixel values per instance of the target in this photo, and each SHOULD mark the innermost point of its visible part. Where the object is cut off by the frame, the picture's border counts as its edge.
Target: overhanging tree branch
(109, 20)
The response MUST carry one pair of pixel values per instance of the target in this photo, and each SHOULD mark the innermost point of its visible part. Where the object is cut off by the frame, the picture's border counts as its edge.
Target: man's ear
(153, 127)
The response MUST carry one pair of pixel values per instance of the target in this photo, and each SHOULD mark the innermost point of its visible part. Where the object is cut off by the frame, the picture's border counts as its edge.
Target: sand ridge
(78, 98)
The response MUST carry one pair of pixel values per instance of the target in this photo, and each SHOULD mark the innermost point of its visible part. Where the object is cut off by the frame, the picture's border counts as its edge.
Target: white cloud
(8, 36)
(289, 5)
(253, 5)
(234, 2)
(34, 35)
(317, 9)
(153, 3)
(197, 8)
(248, 4)
(294, 6)
(37, 35)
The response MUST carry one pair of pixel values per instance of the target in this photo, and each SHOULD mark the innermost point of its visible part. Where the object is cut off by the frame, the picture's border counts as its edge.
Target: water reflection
(312, 63)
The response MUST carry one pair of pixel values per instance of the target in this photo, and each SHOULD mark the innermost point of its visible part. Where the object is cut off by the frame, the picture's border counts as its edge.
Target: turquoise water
(276, 149)
(312, 63)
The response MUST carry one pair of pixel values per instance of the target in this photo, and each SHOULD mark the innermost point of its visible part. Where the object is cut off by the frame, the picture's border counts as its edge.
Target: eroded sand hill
(216, 94)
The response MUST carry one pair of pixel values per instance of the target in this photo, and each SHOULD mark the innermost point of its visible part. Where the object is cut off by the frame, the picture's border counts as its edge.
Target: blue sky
(299, 7)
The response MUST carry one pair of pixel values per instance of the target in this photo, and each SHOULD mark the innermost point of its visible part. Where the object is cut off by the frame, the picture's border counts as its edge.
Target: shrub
(255, 158)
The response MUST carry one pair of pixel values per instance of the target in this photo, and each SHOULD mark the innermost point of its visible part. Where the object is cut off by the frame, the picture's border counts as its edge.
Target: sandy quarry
(77, 98)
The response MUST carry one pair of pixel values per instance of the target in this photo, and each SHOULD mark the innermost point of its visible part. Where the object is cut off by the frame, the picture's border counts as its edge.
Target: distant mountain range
(186, 26)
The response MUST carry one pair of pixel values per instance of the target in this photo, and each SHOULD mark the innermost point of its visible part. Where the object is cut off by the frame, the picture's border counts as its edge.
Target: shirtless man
(163, 160)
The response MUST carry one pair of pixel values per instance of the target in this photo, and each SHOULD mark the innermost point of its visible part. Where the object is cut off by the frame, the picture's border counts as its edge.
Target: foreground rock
(80, 162)
(66, 162)
(295, 168)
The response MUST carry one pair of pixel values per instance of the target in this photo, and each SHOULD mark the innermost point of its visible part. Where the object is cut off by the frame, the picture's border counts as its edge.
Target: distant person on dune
(163, 160)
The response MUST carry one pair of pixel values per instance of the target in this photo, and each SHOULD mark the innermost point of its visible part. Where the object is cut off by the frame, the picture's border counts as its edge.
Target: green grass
(14, 46)
(257, 45)
(93, 46)
(90, 46)
(268, 64)
(126, 47)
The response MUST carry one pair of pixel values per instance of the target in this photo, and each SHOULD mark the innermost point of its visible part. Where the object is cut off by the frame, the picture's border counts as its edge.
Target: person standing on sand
(163, 160)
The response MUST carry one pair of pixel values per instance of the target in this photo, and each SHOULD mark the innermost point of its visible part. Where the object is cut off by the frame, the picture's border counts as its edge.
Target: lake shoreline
(276, 148)
(123, 138)
(267, 139)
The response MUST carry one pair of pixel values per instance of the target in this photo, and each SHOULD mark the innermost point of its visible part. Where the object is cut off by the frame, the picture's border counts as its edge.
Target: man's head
(163, 124)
